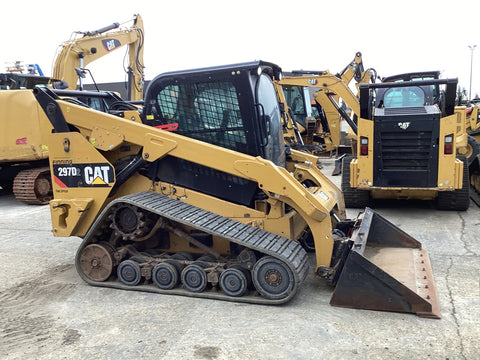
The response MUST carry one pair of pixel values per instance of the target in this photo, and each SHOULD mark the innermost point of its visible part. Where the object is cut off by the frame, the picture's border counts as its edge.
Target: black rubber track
(286, 250)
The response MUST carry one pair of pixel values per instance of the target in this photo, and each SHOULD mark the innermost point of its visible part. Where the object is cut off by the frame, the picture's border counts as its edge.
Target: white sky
(394, 37)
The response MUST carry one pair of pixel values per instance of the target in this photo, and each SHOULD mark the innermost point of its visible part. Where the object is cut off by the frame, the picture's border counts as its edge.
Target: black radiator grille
(406, 147)
(407, 150)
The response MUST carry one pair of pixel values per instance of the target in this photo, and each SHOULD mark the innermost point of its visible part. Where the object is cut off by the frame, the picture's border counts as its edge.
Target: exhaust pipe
(386, 270)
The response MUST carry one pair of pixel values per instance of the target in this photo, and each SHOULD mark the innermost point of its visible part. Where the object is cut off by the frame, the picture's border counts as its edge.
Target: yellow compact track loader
(407, 146)
(197, 195)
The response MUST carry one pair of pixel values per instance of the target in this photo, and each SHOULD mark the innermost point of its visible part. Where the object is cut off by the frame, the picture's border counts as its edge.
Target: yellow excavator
(323, 129)
(23, 147)
(75, 54)
(197, 195)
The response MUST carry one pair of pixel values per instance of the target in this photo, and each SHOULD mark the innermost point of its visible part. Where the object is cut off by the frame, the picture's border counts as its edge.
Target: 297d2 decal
(68, 175)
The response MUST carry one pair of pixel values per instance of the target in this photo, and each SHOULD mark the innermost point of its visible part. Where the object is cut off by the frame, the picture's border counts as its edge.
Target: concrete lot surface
(48, 312)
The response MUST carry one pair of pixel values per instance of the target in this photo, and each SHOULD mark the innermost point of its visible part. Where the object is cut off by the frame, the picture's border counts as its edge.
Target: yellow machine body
(330, 91)
(142, 232)
(450, 169)
(21, 139)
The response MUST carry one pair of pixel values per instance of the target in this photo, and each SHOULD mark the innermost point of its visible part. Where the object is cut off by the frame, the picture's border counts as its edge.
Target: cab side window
(208, 112)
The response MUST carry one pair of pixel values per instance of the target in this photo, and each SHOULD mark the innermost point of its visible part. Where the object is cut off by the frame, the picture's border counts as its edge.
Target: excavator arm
(76, 54)
(331, 88)
(353, 70)
(328, 84)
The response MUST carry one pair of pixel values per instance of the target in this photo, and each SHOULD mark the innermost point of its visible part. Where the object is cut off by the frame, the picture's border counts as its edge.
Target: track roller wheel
(194, 278)
(234, 282)
(96, 261)
(129, 272)
(272, 278)
(165, 276)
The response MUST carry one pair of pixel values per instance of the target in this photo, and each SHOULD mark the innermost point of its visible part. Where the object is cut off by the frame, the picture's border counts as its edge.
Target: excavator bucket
(386, 269)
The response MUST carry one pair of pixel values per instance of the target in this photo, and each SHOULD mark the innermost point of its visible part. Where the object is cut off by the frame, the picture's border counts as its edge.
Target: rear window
(404, 97)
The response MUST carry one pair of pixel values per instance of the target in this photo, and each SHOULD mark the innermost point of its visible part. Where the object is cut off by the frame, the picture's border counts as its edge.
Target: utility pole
(471, 68)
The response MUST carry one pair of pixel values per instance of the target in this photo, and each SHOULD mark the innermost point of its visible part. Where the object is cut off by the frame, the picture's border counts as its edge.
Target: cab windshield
(267, 98)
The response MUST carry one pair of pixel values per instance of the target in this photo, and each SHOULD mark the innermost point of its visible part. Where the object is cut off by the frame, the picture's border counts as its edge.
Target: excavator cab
(298, 100)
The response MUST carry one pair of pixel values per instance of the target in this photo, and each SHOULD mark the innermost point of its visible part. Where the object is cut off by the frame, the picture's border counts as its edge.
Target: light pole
(471, 67)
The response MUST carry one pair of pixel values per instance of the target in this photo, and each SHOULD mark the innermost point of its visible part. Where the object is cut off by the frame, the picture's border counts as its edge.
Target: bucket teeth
(426, 283)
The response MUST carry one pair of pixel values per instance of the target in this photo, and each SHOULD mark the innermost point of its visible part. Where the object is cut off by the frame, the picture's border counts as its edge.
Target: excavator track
(33, 186)
(277, 249)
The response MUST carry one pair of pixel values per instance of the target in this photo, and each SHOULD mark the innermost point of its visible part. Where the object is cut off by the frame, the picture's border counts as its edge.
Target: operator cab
(232, 106)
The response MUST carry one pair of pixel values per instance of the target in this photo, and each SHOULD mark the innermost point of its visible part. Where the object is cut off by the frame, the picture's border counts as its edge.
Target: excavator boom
(76, 54)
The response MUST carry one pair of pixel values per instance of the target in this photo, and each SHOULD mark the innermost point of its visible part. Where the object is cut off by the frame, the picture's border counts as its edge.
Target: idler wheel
(194, 278)
(272, 278)
(96, 261)
(165, 276)
(129, 272)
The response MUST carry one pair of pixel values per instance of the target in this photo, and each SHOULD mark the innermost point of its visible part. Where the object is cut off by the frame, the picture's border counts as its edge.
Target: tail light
(363, 145)
(448, 147)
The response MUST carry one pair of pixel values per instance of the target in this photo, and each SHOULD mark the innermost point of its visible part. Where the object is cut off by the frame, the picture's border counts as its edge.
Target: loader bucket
(337, 170)
(386, 269)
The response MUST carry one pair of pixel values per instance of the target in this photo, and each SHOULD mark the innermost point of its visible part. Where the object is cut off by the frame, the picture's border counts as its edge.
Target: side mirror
(60, 85)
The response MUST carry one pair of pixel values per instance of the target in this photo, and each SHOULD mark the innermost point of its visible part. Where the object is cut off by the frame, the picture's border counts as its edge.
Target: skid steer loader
(407, 146)
(197, 195)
